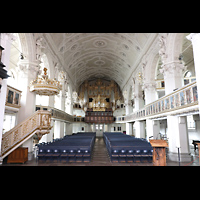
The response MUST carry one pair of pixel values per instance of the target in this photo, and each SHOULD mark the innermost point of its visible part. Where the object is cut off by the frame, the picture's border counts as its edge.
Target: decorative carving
(149, 86)
(99, 94)
(39, 48)
(45, 86)
(173, 68)
(162, 51)
(27, 128)
(95, 49)
(176, 101)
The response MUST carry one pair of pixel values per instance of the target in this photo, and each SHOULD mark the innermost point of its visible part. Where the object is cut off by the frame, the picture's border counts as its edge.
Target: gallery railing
(56, 113)
(160, 83)
(184, 97)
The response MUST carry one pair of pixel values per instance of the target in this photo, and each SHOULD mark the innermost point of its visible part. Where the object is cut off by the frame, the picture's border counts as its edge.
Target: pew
(73, 148)
(126, 148)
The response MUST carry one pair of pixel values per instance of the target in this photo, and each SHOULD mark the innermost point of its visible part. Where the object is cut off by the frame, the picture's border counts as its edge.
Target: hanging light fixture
(42, 85)
(75, 94)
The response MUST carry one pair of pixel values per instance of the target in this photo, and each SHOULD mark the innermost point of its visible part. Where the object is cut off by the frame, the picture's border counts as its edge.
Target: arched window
(188, 78)
(188, 74)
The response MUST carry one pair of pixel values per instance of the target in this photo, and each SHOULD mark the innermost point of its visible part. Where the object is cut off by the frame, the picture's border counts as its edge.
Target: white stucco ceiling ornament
(106, 55)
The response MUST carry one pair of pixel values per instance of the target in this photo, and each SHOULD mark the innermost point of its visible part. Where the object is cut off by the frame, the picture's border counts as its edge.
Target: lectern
(159, 154)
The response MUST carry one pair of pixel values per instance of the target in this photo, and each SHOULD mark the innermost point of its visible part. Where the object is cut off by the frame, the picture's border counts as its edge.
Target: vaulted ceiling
(101, 55)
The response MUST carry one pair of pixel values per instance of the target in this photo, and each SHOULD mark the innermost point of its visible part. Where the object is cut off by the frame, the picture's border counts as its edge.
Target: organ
(99, 95)
(99, 98)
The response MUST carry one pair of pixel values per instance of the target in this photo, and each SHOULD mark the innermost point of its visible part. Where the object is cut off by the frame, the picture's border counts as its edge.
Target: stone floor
(100, 158)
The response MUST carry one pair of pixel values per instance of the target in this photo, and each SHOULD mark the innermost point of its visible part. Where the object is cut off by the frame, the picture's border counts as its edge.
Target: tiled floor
(100, 158)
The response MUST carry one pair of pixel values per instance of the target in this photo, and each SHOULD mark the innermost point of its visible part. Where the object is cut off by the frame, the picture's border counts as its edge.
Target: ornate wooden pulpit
(159, 154)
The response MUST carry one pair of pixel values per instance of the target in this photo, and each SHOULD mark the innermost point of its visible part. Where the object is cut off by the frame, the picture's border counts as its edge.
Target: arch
(27, 45)
(174, 46)
(51, 68)
(158, 74)
(45, 63)
(149, 72)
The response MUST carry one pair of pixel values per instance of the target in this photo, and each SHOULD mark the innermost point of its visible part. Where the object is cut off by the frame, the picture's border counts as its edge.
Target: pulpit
(159, 154)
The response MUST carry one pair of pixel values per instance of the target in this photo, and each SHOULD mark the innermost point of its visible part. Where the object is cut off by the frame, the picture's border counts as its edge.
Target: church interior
(99, 99)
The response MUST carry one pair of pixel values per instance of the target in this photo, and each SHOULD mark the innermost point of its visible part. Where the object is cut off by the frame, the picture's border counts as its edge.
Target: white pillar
(150, 92)
(129, 128)
(178, 138)
(51, 101)
(59, 129)
(173, 75)
(5, 42)
(50, 135)
(152, 128)
(196, 118)
(195, 39)
(28, 72)
(139, 101)
(139, 129)
(129, 109)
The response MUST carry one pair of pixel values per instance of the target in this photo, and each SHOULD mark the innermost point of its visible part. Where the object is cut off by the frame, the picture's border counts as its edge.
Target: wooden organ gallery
(99, 98)
(67, 98)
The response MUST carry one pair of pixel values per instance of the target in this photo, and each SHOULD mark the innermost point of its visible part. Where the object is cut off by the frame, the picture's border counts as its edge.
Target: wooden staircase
(39, 123)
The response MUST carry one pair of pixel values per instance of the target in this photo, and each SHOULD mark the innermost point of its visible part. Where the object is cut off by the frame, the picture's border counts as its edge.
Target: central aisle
(100, 155)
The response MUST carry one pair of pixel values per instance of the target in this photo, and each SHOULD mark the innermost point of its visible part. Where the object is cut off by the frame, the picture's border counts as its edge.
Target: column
(177, 126)
(195, 39)
(28, 72)
(5, 42)
(178, 138)
(139, 104)
(150, 92)
(139, 101)
(173, 75)
(129, 128)
(196, 118)
(139, 129)
(57, 129)
(152, 128)
(50, 135)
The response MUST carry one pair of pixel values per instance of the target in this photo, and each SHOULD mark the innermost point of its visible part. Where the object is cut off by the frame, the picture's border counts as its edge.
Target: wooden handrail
(39, 122)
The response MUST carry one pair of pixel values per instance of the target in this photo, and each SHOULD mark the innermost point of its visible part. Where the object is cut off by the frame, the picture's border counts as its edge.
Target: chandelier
(75, 96)
(42, 85)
